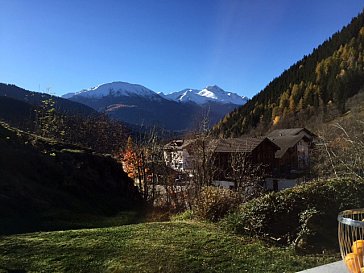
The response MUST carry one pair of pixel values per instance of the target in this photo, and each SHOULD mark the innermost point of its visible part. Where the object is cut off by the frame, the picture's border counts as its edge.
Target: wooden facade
(251, 151)
(293, 156)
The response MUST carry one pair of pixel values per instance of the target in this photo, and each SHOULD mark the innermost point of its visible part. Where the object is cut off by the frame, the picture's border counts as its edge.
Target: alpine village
(120, 178)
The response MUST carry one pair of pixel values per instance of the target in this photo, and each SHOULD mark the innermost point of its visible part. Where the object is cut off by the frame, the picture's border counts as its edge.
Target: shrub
(308, 236)
(183, 216)
(308, 211)
(213, 203)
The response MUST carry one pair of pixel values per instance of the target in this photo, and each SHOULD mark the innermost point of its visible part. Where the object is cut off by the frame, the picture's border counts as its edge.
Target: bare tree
(203, 158)
(340, 150)
(247, 176)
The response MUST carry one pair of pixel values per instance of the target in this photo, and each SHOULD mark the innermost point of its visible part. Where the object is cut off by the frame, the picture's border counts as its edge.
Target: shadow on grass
(66, 221)
(13, 270)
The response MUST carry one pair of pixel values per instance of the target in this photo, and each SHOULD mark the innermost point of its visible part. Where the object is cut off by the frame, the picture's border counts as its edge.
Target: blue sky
(165, 45)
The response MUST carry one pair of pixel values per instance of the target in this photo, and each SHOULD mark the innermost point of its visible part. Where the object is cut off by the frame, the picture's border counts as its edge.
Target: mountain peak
(214, 88)
(117, 88)
(211, 93)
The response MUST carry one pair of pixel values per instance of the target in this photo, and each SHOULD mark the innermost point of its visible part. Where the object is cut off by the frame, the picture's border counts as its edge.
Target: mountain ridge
(138, 105)
(62, 105)
(211, 93)
(117, 88)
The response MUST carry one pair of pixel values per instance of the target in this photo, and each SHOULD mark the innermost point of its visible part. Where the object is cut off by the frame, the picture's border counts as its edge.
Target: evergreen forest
(318, 85)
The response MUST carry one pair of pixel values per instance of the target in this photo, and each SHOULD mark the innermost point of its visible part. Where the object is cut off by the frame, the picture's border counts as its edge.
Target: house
(177, 154)
(293, 158)
(284, 154)
(248, 152)
(294, 145)
(181, 155)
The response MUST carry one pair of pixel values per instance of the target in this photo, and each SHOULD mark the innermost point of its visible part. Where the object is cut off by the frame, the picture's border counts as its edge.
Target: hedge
(304, 215)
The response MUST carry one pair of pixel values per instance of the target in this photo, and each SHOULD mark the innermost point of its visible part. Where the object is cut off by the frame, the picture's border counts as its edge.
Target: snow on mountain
(114, 89)
(208, 94)
(186, 95)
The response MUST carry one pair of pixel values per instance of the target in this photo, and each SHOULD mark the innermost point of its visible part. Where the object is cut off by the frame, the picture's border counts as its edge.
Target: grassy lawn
(150, 247)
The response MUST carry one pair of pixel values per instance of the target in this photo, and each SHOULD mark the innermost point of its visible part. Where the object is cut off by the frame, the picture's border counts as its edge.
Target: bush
(183, 216)
(307, 212)
(213, 203)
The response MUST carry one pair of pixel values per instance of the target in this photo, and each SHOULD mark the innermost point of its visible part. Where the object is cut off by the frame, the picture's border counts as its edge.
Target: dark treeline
(324, 80)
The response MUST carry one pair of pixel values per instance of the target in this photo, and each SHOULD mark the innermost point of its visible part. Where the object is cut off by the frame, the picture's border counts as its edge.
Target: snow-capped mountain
(138, 105)
(208, 94)
(113, 89)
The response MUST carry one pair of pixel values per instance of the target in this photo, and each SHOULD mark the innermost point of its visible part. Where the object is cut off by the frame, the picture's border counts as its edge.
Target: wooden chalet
(293, 159)
(294, 145)
(284, 154)
(254, 150)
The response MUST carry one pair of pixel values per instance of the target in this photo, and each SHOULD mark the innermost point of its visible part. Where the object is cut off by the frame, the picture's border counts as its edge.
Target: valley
(123, 178)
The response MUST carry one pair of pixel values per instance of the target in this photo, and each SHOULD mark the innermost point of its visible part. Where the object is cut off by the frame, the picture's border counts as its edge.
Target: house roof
(178, 144)
(290, 132)
(238, 145)
(226, 145)
(286, 142)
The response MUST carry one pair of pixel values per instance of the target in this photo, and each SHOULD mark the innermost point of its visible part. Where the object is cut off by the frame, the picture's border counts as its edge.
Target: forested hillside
(36, 99)
(60, 119)
(318, 85)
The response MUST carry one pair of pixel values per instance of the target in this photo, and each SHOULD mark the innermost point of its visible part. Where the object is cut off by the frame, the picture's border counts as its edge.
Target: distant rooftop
(286, 142)
(238, 145)
(179, 144)
(289, 132)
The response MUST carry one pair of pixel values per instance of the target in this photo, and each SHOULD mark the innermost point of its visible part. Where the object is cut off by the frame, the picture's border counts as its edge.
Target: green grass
(151, 247)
